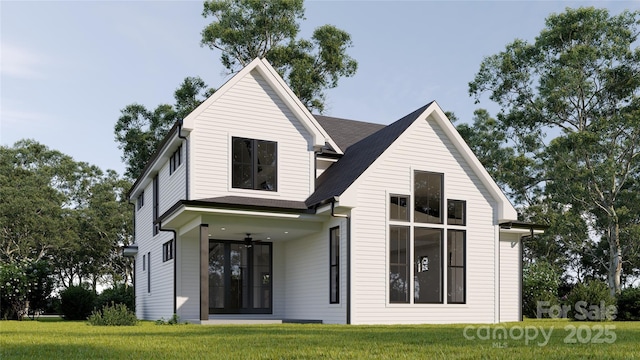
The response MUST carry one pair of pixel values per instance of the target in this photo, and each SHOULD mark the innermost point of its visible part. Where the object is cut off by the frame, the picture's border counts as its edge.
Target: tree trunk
(615, 258)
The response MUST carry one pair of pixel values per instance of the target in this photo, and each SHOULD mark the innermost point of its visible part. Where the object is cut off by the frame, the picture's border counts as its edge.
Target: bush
(175, 320)
(591, 302)
(113, 315)
(540, 283)
(629, 305)
(119, 294)
(76, 302)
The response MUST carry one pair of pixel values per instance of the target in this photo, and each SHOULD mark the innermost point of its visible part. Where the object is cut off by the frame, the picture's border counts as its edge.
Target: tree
(580, 79)
(138, 131)
(248, 29)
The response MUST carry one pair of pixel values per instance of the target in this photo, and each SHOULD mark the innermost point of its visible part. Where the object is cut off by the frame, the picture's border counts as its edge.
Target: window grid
(167, 251)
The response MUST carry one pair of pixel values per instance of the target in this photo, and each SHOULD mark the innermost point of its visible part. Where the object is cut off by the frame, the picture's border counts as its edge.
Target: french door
(240, 277)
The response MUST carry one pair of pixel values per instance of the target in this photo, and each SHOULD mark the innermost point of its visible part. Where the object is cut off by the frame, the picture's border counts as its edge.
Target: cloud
(18, 62)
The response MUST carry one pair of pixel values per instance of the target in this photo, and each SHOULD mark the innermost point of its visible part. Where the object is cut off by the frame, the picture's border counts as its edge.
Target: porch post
(204, 272)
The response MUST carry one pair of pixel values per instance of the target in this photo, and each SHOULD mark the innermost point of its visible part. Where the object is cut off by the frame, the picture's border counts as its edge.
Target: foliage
(629, 304)
(540, 282)
(119, 294)
(113, 315)
(248, 29)
(139, 131)
(175, 320)
(584, 296)
(76, 302)
(25, 288)
(75, 340)
(578, 82)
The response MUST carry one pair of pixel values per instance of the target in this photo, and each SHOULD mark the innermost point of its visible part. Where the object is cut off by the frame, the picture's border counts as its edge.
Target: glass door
(240, 277)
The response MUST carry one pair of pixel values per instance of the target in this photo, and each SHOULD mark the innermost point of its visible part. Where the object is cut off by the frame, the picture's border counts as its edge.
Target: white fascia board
(320, 136)
(506, 211)
(163, 156)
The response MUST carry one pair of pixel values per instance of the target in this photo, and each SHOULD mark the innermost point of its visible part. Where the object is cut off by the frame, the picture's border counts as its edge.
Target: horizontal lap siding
(307, 277)
(424, 147)
(510, 277)
(172, 186)
(249, 109)
(188, 274)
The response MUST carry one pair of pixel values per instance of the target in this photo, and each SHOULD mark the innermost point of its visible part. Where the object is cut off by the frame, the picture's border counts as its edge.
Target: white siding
(510, 278)
(188, 278)
(307, 277)
(253, 110)
(172, 186)
(422, 147)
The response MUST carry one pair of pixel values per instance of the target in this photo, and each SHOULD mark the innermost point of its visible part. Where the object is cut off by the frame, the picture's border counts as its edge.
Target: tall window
(427, 253)
(156, 227)
(140, 201)
(428, 197)
(334, 265)
(254, 164)
(456, 266)
(148, 272)
(176, 160)
(399, 264)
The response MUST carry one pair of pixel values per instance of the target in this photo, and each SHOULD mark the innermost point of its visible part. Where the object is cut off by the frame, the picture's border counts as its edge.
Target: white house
(253, 209)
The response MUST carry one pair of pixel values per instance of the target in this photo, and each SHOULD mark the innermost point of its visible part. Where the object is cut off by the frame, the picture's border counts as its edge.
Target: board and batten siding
(510, 277)
(425, 147)
(307, 277)
(250, 109)
(158, 302)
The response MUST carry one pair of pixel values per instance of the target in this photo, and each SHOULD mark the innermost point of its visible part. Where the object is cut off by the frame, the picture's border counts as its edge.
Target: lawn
(57, 339)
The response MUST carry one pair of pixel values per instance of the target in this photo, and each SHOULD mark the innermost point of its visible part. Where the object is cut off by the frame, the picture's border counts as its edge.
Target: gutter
(348, 218)
(175, 260)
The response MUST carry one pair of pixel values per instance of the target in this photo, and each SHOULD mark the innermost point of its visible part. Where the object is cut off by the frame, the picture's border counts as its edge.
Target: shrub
(175, 320)
(113, 315)
(76, 302)
(119, 294)
(540, 283)
(629, 305)
(591, 301)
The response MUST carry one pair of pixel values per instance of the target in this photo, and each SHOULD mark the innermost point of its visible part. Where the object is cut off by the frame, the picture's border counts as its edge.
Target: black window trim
(149, 272)
(140, 201)
(156, 200)
(175, 160)
(332, 266)
(464, 265)
(254, 163)
(464, 211)
(442, 198)
(167, 251)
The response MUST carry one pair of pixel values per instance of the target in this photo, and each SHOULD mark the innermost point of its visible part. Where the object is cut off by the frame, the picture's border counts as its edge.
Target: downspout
(348, 218)
(186, 159)
(186, 197)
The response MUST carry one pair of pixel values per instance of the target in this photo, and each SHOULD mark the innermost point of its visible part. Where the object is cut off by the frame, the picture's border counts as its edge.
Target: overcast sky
(67, 68)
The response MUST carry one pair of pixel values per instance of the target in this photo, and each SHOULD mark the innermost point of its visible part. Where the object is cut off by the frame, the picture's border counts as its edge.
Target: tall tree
(579, 79)
(138, 131)
(247, 29)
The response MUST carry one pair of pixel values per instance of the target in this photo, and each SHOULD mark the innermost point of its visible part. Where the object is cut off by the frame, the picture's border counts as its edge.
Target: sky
(68, 68)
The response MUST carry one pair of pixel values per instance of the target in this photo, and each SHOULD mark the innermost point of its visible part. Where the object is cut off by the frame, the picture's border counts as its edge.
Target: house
(252, 209)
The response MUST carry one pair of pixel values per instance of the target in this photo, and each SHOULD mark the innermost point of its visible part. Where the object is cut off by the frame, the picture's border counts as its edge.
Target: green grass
(56, 339)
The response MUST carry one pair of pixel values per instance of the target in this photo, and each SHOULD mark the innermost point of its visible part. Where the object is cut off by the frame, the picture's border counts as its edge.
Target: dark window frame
(416, 198)
(140, 201)
(149, 272)
(156, 200)
(407, 206)
(255, 164)
(440, 268)
(454, 202)
(334, 265)
(463, 266)
(176, 160)
(406, 264)
(167, 251)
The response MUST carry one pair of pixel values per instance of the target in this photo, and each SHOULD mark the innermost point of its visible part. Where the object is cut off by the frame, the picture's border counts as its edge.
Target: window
(427, 253)
(428, 197)
(155, 206)
(140, 201)
(148, 272)
(456, 266)
(398, 209)
(254, 164)
(399, 264)
(176, 160)
(421, 259)
(167, 251)
(334, 265)
(456, 210)
(144, 262)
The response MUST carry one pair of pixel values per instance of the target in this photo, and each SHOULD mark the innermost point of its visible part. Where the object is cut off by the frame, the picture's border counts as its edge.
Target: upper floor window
(254, 164)
(176, 160)
(140, 201)
(399, 209)
(428, 197)
(456, 210)
(156, 200)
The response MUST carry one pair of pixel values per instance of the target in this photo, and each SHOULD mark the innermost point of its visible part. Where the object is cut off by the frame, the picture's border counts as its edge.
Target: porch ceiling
(235, 225)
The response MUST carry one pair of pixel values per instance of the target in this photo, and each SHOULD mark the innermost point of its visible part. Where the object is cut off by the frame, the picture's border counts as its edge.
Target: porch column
(204, 272)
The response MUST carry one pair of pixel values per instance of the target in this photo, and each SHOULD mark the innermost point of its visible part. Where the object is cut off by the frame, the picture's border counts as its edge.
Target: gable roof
(347, 132)
(270, 75)
(357, 158)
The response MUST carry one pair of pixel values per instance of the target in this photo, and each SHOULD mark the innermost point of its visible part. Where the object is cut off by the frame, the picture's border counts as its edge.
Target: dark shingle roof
(346, 132)
(357, 158)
